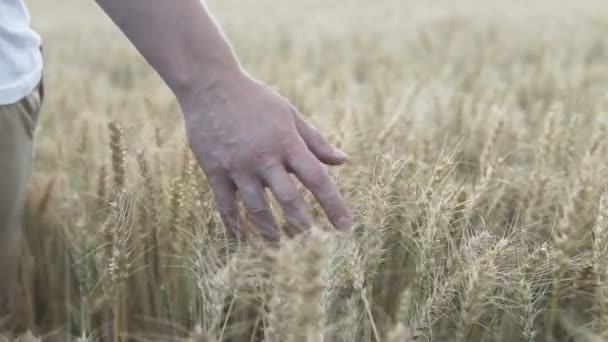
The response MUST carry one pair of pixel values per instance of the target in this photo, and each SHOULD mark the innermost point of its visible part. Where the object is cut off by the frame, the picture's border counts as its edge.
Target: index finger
(313, 175)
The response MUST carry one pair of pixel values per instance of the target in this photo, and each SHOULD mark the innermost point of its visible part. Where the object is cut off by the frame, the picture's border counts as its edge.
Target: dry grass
(478, 142)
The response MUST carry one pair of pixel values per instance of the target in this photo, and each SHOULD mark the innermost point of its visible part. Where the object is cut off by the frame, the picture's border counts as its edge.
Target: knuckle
(257, 210)
(259, 158)
(294, 150)
(316, 138)
(261, 154)
(290, 199)
(288, 139)
(287, 142)
(252, 202)
(317, 179)
(253, 205)
(248, 195)
(335, 210)
(234, 163)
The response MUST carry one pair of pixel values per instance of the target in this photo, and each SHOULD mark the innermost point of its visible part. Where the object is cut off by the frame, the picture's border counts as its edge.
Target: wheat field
(477, 136)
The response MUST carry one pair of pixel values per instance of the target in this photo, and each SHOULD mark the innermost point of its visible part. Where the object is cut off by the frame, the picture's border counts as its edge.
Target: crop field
(477, 135)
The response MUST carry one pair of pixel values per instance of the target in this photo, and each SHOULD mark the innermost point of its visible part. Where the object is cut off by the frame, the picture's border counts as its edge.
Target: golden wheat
(477, 136)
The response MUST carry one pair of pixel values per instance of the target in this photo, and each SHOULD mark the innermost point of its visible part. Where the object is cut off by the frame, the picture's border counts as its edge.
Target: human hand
(247, 137)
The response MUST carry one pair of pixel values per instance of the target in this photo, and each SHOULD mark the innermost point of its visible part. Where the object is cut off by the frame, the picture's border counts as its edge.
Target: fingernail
(344, 223)
(340, 154)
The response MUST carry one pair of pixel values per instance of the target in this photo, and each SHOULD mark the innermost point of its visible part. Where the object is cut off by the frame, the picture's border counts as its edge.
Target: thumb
(317, 144)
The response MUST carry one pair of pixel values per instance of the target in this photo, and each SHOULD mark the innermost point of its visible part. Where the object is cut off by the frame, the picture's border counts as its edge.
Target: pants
(17, 126)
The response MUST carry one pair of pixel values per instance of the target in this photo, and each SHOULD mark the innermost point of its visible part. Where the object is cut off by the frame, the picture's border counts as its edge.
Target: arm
(245, 136)
(178, 38)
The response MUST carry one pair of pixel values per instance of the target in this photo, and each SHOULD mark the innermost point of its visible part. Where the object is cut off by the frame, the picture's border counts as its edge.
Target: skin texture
(245, 136)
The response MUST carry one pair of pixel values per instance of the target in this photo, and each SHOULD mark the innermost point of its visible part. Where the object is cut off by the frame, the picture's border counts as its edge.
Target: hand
(246, 138)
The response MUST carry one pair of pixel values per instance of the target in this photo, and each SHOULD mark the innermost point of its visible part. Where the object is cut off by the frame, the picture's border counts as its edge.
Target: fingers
(291, 200)
(317, 144)
(254, 200)
(314, 176)
(224, 196)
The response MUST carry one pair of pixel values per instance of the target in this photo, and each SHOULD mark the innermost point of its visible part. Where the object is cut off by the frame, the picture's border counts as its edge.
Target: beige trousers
(17, 126)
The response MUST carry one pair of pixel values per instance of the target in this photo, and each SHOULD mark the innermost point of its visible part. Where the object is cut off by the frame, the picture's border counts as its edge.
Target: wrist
(206, 77)
(212, 87)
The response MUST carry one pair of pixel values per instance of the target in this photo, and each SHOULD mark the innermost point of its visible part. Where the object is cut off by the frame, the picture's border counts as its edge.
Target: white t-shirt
(20, 56)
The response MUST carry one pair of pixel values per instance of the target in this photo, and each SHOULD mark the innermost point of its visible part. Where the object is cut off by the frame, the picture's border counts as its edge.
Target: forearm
(179, 39)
